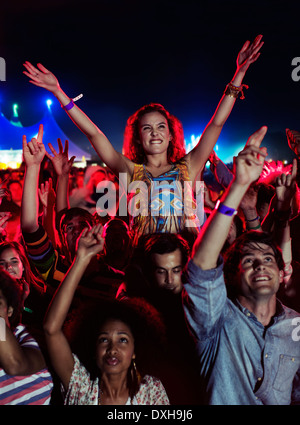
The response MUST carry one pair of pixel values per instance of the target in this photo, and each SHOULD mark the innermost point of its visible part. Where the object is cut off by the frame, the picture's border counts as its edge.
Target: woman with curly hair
(104, 370)
(133, 149)
(154, 158)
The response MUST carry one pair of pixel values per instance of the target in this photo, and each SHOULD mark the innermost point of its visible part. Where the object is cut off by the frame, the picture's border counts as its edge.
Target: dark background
(123, 54)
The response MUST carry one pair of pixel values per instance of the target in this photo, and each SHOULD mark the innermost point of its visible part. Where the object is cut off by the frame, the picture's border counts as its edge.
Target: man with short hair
(245, 343)
(156, 273)
(157, 267)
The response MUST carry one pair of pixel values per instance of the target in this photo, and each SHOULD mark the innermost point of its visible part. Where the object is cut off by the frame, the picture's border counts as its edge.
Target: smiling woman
(154, 147)
(142, 121)
(14, 259)
(154, 141)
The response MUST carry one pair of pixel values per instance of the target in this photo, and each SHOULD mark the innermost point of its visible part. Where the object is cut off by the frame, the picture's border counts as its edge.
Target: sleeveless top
(162, 204)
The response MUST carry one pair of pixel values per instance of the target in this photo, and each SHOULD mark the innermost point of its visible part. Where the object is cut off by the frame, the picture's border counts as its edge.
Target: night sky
(123, 54)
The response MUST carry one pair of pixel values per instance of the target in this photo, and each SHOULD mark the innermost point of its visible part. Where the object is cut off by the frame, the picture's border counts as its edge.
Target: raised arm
(33, 153)
(249, 53)
(248, 166)
(17, 360)
(89, 244)
(3, 191)
(248, 207)
(4, 217)
(47, 198)
(117, 162)
(62, 166)
(285, 191)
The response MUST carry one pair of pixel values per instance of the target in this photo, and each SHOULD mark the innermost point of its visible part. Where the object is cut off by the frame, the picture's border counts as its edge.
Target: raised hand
(250, 198)
(90, 243)
(47, 194)
(34, 151)
(4, 217)
(3, 190)
(41, 77)
(249, 163)
(293, 138)
(249, 53)
(285, 187)
(61, 162)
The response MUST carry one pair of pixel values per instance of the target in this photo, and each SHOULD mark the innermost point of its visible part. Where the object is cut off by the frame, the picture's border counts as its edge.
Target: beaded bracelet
(235, 91)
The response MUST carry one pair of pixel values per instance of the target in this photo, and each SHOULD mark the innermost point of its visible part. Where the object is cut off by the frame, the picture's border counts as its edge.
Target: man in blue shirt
(247, 343)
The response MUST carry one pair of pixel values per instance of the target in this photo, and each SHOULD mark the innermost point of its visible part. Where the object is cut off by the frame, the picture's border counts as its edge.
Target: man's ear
(281, 275)
(10, 311)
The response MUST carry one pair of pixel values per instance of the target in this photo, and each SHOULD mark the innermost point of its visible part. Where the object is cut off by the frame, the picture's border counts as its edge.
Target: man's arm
(248, 166)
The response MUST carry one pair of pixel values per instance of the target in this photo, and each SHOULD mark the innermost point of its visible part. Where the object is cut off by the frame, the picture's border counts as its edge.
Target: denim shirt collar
(279, 313)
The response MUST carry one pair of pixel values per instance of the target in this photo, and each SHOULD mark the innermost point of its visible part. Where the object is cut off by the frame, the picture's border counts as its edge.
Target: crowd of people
(137, 281)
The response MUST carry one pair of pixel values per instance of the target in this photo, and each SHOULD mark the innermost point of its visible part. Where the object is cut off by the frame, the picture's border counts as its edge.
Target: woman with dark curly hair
(154, 156)
(106, 371)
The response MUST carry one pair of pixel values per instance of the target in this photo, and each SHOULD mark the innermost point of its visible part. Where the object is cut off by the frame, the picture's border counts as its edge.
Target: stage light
(15, 109)
(49, 103)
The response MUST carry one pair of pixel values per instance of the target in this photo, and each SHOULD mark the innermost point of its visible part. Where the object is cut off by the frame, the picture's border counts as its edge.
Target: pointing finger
(294, 169)
(256, 138)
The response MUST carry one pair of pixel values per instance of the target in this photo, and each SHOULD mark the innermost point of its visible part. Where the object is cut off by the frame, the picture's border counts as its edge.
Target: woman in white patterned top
(110, 376)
